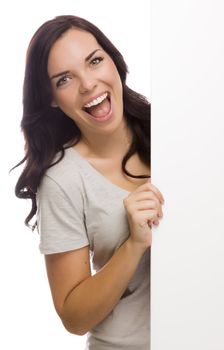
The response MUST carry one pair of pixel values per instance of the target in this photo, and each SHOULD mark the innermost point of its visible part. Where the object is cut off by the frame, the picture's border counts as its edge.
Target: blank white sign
(187, 272)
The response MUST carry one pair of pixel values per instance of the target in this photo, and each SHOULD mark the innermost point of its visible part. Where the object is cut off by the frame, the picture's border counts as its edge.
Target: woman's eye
(63, 80)
(96, 60)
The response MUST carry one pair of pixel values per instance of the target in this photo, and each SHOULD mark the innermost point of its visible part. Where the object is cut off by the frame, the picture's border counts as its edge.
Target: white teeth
(96, 101)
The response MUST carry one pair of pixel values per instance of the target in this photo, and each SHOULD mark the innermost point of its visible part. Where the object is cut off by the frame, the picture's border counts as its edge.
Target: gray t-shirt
(78, 206)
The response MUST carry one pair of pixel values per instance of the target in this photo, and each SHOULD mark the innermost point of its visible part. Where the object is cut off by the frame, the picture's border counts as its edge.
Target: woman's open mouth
(99, 108)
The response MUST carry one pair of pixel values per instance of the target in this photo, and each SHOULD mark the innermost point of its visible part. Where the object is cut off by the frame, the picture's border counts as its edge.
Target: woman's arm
(82, 300)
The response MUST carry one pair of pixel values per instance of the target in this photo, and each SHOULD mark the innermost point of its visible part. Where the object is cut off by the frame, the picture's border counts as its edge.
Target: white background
(28, 319)
(188, 166)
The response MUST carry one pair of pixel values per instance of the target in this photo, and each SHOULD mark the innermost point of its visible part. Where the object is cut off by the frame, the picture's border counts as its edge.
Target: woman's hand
(143, 208)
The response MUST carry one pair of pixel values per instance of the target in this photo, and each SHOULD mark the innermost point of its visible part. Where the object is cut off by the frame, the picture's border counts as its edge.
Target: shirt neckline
(98, 173)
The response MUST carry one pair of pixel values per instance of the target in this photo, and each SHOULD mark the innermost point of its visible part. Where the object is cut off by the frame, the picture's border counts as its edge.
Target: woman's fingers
(144, 209)
(147, 186)
(158, 193)
(143, 201)
(147, 205)
(145, 217)
(142, 197)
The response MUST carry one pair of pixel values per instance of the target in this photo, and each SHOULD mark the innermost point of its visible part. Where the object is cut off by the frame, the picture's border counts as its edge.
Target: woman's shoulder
(64, 172)
(69, 161)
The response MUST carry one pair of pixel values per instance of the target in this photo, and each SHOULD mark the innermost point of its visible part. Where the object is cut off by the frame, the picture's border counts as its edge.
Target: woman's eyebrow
(91, 55)
(67, 71)
(59, 74)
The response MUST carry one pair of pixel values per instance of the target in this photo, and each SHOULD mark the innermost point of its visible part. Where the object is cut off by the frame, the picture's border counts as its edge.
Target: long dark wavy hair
(47, 129)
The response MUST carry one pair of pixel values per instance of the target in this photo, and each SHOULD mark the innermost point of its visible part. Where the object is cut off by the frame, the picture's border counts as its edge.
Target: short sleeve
(60, 218)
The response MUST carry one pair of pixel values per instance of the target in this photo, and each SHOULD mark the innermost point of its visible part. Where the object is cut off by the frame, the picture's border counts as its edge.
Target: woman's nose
(87, 83)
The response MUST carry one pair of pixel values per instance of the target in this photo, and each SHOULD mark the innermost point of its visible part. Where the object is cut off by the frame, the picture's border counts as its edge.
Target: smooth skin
(83, 300)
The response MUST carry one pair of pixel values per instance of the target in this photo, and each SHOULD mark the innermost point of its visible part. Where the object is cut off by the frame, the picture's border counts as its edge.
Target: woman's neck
(107, 146)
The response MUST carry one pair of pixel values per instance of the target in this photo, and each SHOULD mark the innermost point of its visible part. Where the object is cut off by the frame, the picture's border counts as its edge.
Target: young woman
(87, 170)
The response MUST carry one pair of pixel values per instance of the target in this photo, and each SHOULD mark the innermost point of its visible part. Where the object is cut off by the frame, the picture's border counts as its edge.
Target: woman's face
(85, 83)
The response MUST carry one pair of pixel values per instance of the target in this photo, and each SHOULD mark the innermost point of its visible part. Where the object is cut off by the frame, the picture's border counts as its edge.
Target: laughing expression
(85, 83)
